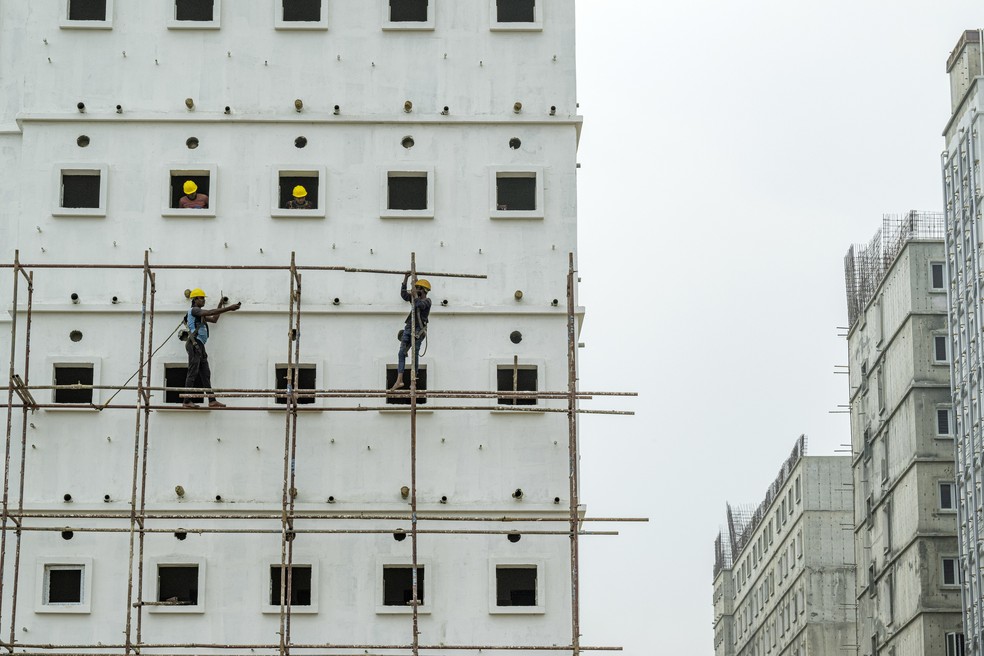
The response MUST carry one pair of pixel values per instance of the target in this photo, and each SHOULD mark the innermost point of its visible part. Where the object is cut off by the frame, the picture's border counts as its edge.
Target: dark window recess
(524, 380)
(421, 383)
(177, 377)
(408, 11)
(949, 571)
(194, 10)
(939, 345)
(937, 270)
(943, 422)
(178, 584)
(515, 193)
(515, 11)
(398, 586)
(407, 192)
(515, 586)
(287, 184)
(300, 585)
(87, 10)
(946, 496)
(80, 190)
(306, 380)
(302, 10)
(65, 586)
(177, 186)
(954, 644)
(73, 375)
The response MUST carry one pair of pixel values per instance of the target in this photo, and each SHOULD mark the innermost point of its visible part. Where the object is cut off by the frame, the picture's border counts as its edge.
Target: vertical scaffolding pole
(143, 397)
(23, 459)
(290, 457)
(572, 454)
(415, 599)
(136, 466)
(10, 416)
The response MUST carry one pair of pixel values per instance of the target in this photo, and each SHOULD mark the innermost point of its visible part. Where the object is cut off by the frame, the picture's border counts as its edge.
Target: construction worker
(199, 373)
(192, 200)
(299, 200)
(418, 317)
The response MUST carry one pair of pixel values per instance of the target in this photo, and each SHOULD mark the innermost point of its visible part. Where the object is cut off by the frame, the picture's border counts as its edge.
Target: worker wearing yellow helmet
(192, 200)
(415, 330)
(199, 373)
(299, 200)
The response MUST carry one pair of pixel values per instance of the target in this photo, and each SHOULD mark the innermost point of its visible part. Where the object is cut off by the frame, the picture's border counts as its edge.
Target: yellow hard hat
(300, 192)
(190, 188)
(197, 293)
(423, 283)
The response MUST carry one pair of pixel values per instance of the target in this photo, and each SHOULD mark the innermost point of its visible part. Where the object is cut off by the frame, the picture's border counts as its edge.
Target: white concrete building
(905, 501)
(442, 129)
(962, 189)
(788, 565)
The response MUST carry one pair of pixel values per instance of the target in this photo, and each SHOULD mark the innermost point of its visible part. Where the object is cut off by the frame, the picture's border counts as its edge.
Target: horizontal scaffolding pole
(286, 408)
(183, 529)
(306, 515)
(298, 646)
(240, 267)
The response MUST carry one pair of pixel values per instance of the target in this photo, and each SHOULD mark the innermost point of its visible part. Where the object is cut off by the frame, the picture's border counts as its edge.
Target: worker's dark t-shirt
(421, 305)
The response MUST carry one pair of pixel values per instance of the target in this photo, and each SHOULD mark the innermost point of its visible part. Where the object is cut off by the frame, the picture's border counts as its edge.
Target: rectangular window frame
(430, 585)
(956, 572)
(535, 26)
(411, 26)
(278, 212)
(68, 24)
(496, 172)
(933, 289)
(406, 171)
(96, 363)
(280, 24)
(174, 24)
(952, 508)
(298, 560)
(949, 422)
(320, 366)
(211, 170)
(937, 340)
(174, 364)
(541, 377)
(80, 168)
(539, 564)
(44, 564)
(151, 584)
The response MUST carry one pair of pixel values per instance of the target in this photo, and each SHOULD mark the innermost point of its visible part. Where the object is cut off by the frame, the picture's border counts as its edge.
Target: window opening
(309, 183)
(177, 187)
(300, 585)
(515, 11)
(63, 584)
(946, 496)
(516, 378)
(943, 421)
(194, 10)
(954, 644)
(398, 585)
(87, 10)
(514, 192)
(407, 191)
(178, 584)
(176, 375)
(936, 272)
(950, 571)
(939, 348)
(402, 11)
(73, 375)
(302, 10)
(306, 380)
(391, 380)
(80, 190)
(515, 586)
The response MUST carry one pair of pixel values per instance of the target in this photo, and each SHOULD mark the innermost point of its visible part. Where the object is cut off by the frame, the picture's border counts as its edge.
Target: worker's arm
(212, 316)
(404, 294)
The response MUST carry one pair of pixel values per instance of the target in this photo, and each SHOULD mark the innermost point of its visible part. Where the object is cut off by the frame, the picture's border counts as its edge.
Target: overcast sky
(731, 153)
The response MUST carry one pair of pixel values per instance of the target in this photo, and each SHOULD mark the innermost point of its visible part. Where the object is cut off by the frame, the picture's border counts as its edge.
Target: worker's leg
(401, 359)
(194, 368)
(205, 373)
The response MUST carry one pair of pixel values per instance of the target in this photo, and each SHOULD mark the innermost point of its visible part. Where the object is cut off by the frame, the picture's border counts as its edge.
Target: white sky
(731, 153)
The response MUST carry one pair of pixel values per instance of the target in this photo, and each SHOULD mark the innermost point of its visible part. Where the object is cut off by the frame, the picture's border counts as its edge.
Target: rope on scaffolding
(142, 365)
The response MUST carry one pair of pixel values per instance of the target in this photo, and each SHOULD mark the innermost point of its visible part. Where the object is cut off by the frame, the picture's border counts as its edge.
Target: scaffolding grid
(15, 519)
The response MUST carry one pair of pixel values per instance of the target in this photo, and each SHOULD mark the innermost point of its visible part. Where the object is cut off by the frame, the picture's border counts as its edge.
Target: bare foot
(190, 405)
(398, 384)
(216, 404)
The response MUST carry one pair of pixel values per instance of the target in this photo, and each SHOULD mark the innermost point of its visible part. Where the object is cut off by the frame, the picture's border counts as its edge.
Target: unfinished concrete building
(317, 512)
(902, 429)
(784, 570)
(962, 191)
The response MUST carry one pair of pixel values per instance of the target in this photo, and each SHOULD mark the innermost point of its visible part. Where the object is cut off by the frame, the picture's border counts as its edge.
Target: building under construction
(317, 512)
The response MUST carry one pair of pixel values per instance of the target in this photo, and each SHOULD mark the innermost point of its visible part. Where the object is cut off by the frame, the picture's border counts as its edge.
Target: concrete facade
(962, 190)
(247, 100)
(908, 595)
(791, 570)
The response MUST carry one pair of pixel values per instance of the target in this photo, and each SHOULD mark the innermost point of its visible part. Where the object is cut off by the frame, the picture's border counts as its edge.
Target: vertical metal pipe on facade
(144, 399)
(10, 415)
(572, 455)
(415, 599)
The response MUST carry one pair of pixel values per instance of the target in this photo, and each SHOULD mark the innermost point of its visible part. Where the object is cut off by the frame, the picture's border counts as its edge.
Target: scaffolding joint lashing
(22, 391)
